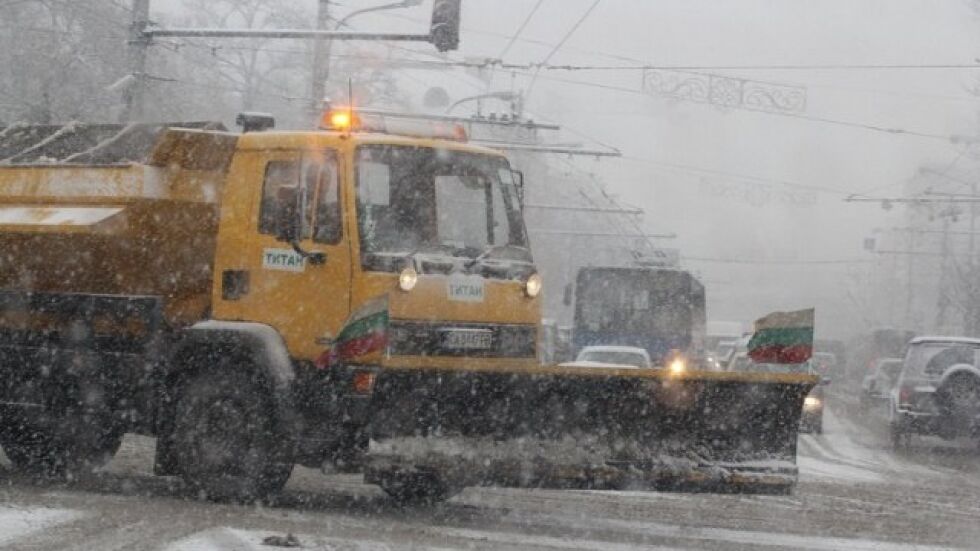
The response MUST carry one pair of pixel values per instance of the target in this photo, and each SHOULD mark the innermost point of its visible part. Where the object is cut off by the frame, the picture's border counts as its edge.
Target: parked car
(724, 350)
(879, 382)
(938, 390)
(602, 356)
(811, 419)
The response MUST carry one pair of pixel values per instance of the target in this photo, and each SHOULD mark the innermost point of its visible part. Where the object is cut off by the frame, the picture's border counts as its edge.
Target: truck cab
(337, 219)
(337, 222)
(218, 283)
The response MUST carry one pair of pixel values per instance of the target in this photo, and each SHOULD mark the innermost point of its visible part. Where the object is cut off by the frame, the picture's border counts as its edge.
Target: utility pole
(139, 42)
(943, 298)
(971, 285)
(321, 57)
(908, 297)
(324, 45)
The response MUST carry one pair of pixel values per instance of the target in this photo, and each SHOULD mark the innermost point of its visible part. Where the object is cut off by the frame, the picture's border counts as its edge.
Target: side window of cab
(321, 177)
(315, 178)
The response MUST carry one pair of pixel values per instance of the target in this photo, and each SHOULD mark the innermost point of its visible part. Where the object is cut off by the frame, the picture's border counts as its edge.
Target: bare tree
(57, 57)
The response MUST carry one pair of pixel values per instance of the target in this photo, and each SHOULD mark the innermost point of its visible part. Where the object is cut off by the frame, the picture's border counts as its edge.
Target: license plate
(467, 340)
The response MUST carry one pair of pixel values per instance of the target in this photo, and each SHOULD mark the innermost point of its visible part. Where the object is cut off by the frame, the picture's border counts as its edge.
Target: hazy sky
(764, 146)
(733, 160)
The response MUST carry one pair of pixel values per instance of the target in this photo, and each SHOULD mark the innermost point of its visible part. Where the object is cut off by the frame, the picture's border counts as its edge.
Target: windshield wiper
(490, 251)
(430, 248)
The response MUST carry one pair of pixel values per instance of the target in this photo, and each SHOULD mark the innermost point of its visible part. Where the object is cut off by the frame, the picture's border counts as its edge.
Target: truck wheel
(417, 488)
(64, 449)
(224, 439)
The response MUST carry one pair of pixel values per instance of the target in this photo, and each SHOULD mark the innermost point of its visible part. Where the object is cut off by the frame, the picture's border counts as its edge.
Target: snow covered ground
(854, 493)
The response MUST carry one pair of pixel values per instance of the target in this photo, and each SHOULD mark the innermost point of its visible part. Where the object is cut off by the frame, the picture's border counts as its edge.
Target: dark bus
(657, 309)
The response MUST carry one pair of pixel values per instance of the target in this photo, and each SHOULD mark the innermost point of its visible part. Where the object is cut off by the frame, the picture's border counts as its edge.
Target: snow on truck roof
(302, 139)
(86, 144)
(941, 339)
(150, 143)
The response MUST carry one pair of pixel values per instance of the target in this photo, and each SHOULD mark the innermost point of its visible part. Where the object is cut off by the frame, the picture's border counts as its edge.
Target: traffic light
(444, 31)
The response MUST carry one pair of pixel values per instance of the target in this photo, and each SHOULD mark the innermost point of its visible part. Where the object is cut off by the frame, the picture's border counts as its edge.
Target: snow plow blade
(561, 427)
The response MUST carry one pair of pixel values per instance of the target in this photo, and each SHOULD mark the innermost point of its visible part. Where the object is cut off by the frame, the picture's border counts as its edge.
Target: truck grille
(411, 338)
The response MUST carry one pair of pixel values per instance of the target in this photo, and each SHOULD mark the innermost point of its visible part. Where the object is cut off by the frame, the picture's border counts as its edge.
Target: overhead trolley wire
(520, 30)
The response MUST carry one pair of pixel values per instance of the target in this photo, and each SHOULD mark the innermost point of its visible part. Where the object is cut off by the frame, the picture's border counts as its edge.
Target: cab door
(306, 299)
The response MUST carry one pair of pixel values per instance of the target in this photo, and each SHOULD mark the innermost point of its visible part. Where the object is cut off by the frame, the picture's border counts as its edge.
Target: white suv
(938, 390)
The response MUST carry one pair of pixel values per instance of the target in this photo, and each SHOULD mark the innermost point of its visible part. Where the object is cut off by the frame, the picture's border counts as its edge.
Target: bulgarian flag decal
(783, 338)
(365, 332)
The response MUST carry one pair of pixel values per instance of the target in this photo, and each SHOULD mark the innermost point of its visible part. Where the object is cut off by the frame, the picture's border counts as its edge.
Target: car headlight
(407, 279)
(532, 287)
(677, 366)
(811, 402)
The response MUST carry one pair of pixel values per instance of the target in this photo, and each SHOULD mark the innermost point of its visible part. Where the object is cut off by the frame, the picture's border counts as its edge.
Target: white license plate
(467, 340)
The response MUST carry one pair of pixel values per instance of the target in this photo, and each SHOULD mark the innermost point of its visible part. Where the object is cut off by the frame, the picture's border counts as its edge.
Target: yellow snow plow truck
(362, 295)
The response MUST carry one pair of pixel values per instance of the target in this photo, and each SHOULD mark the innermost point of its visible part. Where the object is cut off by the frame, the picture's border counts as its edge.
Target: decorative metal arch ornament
(724, 91)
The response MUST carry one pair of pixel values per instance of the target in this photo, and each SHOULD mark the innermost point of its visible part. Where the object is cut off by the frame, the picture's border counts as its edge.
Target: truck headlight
(407, 279)
(677, 366)
(532, 287)
(811, 402)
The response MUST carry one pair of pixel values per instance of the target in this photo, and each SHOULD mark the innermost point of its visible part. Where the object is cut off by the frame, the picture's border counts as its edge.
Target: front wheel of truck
(224, 439)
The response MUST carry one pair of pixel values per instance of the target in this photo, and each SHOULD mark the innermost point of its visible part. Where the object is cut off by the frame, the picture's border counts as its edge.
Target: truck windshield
(424, 200)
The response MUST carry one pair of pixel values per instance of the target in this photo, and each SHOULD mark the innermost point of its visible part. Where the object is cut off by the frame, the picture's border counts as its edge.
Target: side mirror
(287, 215)
(825, 381)
(567, 296)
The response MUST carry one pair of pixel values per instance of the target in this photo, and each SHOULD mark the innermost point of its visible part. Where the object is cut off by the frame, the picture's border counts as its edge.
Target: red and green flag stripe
(783, 338)
(365, 331)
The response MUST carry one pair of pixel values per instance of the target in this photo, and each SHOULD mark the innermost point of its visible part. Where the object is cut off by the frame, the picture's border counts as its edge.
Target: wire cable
(520, 30)
(530, 87)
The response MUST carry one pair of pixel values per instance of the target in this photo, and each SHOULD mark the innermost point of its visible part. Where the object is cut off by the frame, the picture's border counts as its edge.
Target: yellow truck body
(169, 237)
(196, 285)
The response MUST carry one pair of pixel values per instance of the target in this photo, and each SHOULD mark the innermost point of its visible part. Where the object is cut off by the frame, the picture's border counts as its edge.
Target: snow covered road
(854, 493)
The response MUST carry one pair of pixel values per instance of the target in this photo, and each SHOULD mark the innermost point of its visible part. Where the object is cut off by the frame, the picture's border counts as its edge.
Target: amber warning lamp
(340, 119)
(347, 120)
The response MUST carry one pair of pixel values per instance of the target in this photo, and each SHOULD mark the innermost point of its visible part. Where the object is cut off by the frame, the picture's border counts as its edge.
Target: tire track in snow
(815, 463)
(234, 539)
(20, 523)
(757, 539)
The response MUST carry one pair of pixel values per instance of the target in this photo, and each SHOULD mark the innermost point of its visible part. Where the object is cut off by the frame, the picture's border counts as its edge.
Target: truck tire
(224, 439)
(417, 488)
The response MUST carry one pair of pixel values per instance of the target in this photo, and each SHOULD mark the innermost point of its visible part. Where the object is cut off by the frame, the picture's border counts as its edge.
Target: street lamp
(322, 47)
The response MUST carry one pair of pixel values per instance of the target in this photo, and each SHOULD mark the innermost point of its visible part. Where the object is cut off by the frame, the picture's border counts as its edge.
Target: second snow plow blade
(584, 428)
